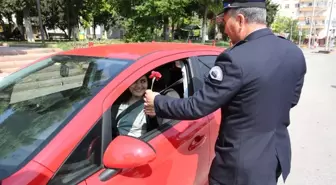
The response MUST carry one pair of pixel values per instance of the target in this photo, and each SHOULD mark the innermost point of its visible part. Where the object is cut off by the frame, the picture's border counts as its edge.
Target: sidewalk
(317, 49)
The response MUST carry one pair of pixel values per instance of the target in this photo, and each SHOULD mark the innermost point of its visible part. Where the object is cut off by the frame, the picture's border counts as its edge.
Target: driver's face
(139, 87)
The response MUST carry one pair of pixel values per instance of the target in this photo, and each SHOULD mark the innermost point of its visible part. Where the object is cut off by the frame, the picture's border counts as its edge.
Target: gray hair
(253, 15)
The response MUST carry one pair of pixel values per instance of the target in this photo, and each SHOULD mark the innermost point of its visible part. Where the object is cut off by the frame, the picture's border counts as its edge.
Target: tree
(272, 10)
(23, 9)
(205, 7)
(164, 11)
(97, 12)
(286, 25)
(144, 19)
(215, 8)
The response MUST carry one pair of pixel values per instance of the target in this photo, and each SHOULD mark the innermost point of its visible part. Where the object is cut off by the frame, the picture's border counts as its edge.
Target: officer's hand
(149, 102)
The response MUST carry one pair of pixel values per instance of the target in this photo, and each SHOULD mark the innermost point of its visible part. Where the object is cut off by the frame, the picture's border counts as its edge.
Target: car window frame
(118, 90)
(191, 89)
(201, 62)
(193, 74)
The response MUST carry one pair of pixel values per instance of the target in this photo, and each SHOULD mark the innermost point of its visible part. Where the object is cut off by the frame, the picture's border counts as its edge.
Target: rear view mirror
(64, 70)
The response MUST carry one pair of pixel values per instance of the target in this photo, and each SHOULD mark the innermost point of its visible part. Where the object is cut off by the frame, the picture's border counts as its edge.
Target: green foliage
(53, 14)
(148, 16)
(7, 7)
(143, 20)
(287, 25)
(98, 12)
(272, 10)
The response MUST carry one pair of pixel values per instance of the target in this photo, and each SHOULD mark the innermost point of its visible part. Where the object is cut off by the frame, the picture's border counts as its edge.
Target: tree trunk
(28, 25)
(216, 31)
(75, 32)
(103, 34)
(166, 28)
(45, 33)
(173, 29)
(204, 23)
(10, 21)
(94, 29)
(70, 33)
(19, 22)
(68, 18)
(153, 33)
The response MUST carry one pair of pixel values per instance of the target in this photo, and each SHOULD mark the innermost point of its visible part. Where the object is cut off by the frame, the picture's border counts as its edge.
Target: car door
(205, 63)
(182, 147)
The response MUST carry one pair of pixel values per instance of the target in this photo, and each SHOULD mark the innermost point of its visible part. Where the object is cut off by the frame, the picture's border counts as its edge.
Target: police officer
(256, 82)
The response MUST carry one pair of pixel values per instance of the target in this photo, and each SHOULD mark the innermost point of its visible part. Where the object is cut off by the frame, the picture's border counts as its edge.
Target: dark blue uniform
(255, 84)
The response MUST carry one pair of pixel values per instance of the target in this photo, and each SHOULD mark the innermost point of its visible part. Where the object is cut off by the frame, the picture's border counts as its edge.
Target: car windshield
(37, 101)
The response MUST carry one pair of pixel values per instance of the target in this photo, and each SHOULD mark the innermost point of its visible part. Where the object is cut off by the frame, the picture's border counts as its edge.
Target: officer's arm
(298, 88)
(297, 92)
(217, 90)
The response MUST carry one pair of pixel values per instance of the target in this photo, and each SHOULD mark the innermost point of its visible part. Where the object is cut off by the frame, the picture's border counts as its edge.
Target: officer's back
(254, 135)
(255, 83)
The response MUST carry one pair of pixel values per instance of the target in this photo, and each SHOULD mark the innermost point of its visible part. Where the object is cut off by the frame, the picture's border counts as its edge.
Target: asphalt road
(313, 125)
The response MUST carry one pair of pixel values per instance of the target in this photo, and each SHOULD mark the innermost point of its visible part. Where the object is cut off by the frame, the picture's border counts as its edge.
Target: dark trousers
(215, 182)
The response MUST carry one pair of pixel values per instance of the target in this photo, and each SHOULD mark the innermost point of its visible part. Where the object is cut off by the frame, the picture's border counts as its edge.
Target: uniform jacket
(255, 83)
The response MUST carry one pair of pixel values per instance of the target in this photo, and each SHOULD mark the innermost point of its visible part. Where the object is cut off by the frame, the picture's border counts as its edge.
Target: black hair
(126, 95)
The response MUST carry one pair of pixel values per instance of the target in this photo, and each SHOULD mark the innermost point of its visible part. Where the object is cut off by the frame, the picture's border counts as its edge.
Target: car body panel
(33, 173)
(136, 50)
(177, 152)
(215, 117)
(183, 151)
(179, 158)
(214, 122)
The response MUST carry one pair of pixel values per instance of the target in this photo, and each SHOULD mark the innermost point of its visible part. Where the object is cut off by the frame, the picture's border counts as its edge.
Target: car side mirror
(128, 152)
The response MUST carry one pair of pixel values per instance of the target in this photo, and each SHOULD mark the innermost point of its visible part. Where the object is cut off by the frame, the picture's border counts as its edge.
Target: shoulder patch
(216, 73)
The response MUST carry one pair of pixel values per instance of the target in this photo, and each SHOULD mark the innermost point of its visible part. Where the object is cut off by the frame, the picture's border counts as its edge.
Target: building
(288, 8)
(302, 10)
(316, 19)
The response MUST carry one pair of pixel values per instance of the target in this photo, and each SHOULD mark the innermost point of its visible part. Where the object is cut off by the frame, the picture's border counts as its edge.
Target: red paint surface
(128, 152)
(183, 153)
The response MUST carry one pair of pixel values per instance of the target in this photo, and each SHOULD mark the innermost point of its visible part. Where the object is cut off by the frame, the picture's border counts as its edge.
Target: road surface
(313, 125)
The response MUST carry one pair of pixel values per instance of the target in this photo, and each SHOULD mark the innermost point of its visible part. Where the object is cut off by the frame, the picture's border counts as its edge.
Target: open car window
(37, 101)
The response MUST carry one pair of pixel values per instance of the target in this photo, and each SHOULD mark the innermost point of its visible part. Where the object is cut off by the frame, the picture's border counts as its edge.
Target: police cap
(229, 4)
(243, 4)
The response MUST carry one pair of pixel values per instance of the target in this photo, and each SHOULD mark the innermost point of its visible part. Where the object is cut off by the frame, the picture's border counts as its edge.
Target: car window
(128, 117)
(83, 160)
(37, 101)
(206, 63)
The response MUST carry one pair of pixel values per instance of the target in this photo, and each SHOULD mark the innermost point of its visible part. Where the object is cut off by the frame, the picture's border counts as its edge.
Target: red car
(57, 123)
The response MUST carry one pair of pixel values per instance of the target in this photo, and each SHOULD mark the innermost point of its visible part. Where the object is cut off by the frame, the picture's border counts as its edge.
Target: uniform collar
(259, 33)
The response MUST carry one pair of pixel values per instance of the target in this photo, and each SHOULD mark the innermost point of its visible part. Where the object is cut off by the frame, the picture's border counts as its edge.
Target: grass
(67, 45)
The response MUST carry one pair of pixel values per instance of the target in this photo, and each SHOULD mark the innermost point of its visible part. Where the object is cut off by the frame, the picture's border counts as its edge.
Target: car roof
(133, 51)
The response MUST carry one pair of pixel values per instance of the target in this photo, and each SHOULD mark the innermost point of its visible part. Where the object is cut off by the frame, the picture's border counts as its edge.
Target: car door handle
(196, 142)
